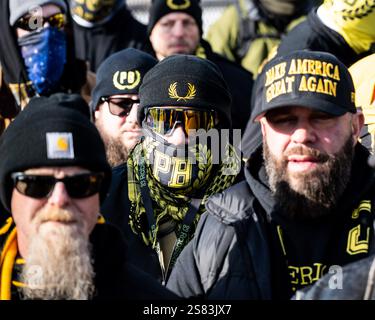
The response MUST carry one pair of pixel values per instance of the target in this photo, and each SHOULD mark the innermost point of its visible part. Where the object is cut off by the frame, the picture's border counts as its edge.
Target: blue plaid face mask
(44, 55)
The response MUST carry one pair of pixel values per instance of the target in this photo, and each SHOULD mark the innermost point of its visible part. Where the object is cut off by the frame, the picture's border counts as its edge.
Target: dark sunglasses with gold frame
(57, 20)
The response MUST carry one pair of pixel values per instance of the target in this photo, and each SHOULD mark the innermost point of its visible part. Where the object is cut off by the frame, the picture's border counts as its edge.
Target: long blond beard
(58, 264)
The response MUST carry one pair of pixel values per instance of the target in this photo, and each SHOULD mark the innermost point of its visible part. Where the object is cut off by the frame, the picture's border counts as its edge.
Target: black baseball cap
(311, 79)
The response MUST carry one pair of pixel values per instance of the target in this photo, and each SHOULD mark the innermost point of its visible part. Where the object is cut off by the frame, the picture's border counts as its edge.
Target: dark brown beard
(115, 151)
(317, 192)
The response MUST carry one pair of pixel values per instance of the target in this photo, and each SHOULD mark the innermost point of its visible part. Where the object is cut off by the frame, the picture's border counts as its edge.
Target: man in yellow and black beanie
(157, 197)
(175, 27)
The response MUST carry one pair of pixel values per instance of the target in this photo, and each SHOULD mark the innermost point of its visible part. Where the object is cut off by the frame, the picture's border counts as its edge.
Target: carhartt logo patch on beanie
(121, 73)
(51, 132)
(160, 8)
(311, 79)
(187, 81)
(60, 145)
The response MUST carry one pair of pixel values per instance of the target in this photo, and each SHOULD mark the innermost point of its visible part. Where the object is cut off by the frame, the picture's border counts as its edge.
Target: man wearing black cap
(156, 198)
(175, 27)
(307, 201)
(56, 245)
(115, 101)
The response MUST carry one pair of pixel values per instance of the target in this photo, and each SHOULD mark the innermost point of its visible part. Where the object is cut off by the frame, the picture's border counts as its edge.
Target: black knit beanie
(49, 132)
(121, 73)
(159, 8)
(188, 81)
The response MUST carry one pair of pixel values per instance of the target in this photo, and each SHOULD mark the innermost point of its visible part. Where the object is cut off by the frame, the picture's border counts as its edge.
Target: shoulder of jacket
(232, 204)
(120, 169)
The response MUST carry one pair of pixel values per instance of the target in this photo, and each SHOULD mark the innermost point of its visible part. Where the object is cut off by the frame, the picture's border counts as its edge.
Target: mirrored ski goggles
(41, 186)
(164, 120)
(57, 20)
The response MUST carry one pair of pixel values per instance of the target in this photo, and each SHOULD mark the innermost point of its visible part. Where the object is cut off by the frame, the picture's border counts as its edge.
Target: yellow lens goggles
(164, 120)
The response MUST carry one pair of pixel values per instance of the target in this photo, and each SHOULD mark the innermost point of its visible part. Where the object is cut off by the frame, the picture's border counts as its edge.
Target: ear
(96, 115)
(263, 123)
(98, 111)
(358, 121)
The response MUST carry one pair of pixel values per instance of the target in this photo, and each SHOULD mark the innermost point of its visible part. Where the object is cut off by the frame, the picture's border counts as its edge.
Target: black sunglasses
(120, 107)
(57, 20)
(39, 186)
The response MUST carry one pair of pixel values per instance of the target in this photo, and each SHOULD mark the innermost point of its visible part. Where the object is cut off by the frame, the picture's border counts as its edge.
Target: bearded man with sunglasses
(115, 101)
(157, 197)
(306, 207)
(55, 245)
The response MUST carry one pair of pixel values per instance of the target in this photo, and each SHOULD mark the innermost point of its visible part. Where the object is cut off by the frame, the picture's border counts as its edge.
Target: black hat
(48, 133)
(311, 79)
(188, 81)
(121, 73)
(88, 14)
(160, 8)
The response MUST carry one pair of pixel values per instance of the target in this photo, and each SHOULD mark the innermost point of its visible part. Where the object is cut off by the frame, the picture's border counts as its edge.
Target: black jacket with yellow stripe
(114, 278)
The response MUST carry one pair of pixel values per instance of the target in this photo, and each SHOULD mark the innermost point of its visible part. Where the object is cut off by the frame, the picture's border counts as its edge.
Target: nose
(178, 29)
(304, 134)
(177, 137)
(132, 116)
(59, 196)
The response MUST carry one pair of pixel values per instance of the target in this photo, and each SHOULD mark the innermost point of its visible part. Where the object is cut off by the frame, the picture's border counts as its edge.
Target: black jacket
(235, 252)
(353, 282)
(98, 43)
(313, 35)
(115, 210)
(240, 83)
(116, 277)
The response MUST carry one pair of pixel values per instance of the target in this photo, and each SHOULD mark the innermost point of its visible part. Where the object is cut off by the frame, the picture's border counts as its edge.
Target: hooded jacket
(244, 248)
(15, 74)
(313, 34)
(98, 43)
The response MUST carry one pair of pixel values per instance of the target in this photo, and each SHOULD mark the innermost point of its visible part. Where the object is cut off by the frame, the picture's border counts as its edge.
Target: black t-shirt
(304, 252)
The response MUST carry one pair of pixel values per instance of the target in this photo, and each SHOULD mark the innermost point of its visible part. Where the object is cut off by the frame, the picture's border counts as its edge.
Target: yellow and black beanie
(186, 81)
(51, 131)
(160, 8)
(121, 73)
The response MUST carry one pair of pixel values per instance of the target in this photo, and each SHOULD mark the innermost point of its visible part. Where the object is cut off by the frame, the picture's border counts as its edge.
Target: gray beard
(317, 192)
(58, 266)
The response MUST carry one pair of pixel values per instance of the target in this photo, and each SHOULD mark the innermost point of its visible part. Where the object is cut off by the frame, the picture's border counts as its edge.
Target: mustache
(55, 215)
(178, 43)
(302, 150)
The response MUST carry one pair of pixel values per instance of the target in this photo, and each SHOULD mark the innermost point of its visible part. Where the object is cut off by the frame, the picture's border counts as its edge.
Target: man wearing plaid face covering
(157, 197)
(56, 245)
